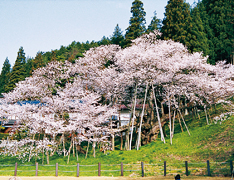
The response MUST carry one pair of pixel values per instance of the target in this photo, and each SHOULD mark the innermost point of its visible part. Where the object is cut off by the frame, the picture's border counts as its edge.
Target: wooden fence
(186, 168)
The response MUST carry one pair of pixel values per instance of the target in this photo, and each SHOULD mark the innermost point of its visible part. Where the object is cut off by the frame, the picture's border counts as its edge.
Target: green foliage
(104, 41)
(221, 21)
(155, 24)
(137, 22)
(177, 21)
(18, 72)
(5, 75)
(117, 37)
(209, 32)
(198, 40)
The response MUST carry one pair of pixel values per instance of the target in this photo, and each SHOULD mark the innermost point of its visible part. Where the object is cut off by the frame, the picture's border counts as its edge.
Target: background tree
(117, 37)
(209, 32)
(5, 74)
(176, 22)
(29, 66)
(198, 39)
(221, 20)
(155, 24)
(104, 41)
(137, 22)
(38, 61)
(18, 71)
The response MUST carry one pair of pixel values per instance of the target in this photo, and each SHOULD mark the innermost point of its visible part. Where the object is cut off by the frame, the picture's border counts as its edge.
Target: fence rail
(188, 168)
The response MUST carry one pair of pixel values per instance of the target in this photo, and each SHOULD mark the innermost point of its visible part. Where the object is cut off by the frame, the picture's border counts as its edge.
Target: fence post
(121, 168)
(142, 169)
(56, 170)
(36, 174)
(78, 170)
(99, 169)
(165, 168)
(208, 168)
(231, 167)
(186, 168)
(16, 169)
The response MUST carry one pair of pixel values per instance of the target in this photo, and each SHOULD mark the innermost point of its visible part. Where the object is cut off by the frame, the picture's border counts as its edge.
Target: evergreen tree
(38, 61)
(197, 38)
(53, 56)
(18, 71)
(5, 75)
(221, 20)
(117, 37)
(136, 23)
(29, 66)
(177, 21)
(209, 32)
(104, 41)
(155, 24)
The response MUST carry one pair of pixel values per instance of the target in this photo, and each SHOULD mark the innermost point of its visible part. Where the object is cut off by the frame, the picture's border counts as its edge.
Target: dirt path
(111, 178)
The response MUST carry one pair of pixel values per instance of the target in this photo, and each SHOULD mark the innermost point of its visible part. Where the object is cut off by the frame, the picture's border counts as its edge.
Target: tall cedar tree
(155, 24)
(38, 61)
(136, 23)
(29, 66)
(209, 32)
(117, 37)
(5, 75)
(18, 71)
(198, 39)
(221, 20)
(176, 22)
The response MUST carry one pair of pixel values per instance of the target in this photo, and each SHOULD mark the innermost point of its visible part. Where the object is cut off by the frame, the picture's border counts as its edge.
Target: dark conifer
(198, 39)
(221, 21)
(137, 22)
(18, 71)
(117, 37)
(177, 21)
(155, 24)
(5, 75)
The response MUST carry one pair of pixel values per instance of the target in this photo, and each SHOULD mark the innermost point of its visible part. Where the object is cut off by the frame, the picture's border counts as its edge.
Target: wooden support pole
(78, 170)
(36, 174)
(186, 168)
(142, 169)
(99, 169)
(16, 169)
(56, 170)
(231, 167)
(165, 168)
(121, 168)
(208, 168)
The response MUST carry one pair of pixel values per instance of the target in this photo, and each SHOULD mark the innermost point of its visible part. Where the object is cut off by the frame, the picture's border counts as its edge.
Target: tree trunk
(184, 122)
(133, 118)
(173, 128)
(159, 121)
(73, 145)
(64, 145)
(94, 148)
(29, 158)
(169, 108)
(206, 115)
(113, 142)
(87, 150)
(121, 141)
(142, 115)
(69, 151)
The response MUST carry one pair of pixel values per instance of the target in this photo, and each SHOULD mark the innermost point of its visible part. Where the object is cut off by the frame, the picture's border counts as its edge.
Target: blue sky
(44, 25)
